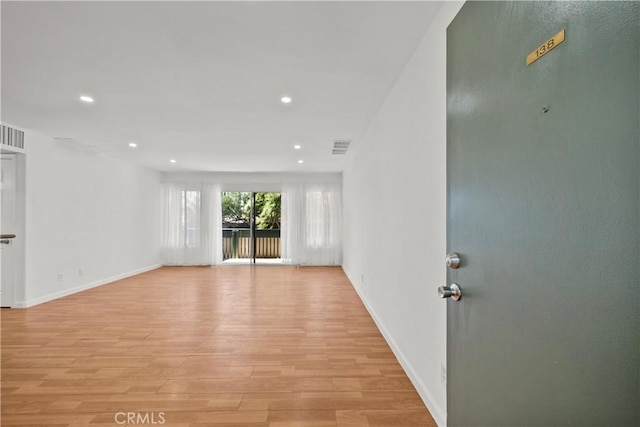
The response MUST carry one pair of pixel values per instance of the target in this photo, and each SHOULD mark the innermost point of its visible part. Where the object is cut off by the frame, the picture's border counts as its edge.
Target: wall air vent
(340, 146)
(11, 137)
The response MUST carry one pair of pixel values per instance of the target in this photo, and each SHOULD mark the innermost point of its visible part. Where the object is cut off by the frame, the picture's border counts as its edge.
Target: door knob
(453, 260)
(452, 291)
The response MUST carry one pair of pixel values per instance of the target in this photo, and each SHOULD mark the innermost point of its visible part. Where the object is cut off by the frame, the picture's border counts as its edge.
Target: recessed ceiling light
(85, 98)
(285, 99)
(172, 160)
(300, 161)
(297, 147)
(133, 145)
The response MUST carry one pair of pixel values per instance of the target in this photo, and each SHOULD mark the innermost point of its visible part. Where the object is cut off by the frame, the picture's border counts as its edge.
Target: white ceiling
(201, 82)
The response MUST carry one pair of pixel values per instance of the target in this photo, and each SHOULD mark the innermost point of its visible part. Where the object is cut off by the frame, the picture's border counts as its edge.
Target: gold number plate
(545, 47)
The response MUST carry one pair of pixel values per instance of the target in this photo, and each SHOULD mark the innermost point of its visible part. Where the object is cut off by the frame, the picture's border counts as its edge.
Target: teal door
(543, 207)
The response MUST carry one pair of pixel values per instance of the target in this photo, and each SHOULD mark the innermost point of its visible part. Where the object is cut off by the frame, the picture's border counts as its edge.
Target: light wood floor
(226, 346)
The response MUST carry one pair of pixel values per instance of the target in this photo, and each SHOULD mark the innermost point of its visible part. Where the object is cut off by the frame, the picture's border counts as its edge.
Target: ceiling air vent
(340, 146)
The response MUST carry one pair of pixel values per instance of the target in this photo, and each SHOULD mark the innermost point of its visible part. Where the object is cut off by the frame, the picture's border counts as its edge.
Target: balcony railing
(236, 243)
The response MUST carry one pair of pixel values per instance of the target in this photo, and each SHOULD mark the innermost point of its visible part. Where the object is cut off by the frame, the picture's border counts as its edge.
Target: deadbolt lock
(453, 260)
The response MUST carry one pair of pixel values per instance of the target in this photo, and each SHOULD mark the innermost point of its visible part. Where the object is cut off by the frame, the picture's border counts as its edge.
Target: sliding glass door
(251, 227)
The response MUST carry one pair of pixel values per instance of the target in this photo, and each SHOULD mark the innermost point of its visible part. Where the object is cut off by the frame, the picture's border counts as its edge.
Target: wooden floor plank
(225, 346)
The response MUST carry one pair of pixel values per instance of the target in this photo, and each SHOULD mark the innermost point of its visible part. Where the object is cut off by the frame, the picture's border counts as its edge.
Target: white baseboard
(66, 292)
(437, 412)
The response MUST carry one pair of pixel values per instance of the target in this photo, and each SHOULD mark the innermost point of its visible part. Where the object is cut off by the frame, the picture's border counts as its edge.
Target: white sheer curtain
(191, 224)
(312, 224)
(291, 223)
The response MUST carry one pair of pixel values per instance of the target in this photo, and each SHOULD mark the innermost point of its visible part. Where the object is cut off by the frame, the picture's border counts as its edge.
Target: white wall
(252, 181)
(394, 193)
(89, 211)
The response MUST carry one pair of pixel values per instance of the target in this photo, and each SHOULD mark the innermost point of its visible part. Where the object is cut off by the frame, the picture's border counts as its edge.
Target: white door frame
(18, 296)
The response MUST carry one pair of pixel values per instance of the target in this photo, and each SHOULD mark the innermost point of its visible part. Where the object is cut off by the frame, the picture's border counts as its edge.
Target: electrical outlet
(60, 276)
(80, 272)
(443, 374)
